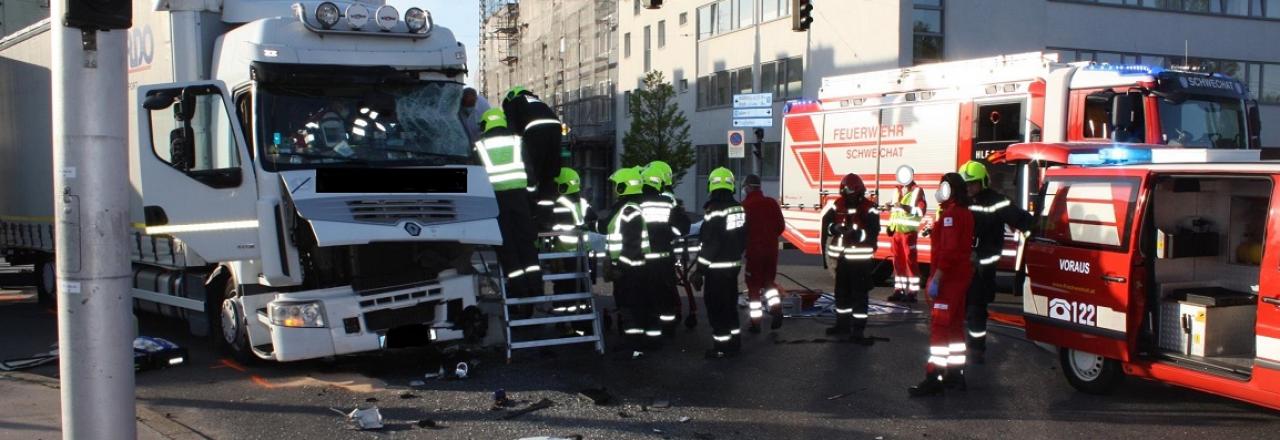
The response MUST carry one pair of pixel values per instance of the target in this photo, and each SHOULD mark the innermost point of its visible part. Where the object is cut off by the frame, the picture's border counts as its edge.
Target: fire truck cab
(1159, 263)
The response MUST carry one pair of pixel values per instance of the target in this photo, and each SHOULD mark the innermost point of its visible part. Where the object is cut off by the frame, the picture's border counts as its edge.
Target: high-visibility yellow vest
(906, 220)
(502, 159)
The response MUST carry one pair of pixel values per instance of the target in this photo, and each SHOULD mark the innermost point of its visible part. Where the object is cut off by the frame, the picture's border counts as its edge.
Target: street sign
(737, 140)
(752, 113)
(753, 100)
(753, 122)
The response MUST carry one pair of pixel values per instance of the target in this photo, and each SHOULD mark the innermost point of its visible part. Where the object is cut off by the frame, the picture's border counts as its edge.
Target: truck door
(1268, 325)
(1081, 263)
(197, 183)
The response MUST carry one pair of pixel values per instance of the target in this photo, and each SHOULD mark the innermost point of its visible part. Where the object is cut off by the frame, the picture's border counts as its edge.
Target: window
(744, 13)
(927, 31)
(662, 33)
(702, 86)
(795, 77)
(626, 45)
(648, 50)
(742, 79)
(769, 78)
(704, 22)
(771, 9)
(194, 135)
(684, 85)
(1089, 213)
(1262, 79)
(637, 7)
(626, 102)
(1239, 8)
(1097, 114)
(684, 18)
(769, 166)
(724, 16)
(723, 87)
(1202, 123)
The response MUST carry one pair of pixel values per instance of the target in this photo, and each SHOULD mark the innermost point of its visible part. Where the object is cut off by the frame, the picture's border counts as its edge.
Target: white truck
(302, 182)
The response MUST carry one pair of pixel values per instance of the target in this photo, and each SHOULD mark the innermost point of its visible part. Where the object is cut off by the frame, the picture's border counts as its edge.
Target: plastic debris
(500, 398)
(539, 405)
(154, 353)
(33, 361)
(363, 419)
(685, 419)
(462, 370)
(839, 396)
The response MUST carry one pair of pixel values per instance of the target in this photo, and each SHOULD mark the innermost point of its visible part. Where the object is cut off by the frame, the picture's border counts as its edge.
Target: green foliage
(659, 130)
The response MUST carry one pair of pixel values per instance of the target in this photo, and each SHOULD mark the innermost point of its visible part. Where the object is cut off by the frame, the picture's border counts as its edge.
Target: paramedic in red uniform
(952, 235)
(905, 214)
(764, 226)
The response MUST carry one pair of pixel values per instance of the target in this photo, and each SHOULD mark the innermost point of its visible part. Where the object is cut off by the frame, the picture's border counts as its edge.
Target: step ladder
(580, 270)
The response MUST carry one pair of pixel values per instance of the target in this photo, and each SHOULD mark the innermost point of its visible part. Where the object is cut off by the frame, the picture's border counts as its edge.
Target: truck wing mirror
(159, 100)
(1121, 112)
(1255, 124)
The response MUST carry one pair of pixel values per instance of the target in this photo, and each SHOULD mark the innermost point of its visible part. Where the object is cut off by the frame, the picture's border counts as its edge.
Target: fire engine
(936, 117)
(1155, 266)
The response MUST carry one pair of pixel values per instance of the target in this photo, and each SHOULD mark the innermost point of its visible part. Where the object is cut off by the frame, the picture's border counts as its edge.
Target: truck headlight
(357, 15)
(327, 14)
(387, 16)
(417, 20)
(296, 314)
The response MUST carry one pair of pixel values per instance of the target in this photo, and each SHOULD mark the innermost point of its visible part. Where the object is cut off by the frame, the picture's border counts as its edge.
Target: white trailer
(302, 183)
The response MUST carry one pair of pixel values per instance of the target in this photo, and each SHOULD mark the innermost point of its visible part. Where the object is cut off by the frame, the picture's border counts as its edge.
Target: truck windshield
(309, 126)
(1203, 122)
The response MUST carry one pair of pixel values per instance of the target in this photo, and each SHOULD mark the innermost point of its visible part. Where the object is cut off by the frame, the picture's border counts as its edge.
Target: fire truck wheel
(233, 332)
(46, 282)
(1089, 372)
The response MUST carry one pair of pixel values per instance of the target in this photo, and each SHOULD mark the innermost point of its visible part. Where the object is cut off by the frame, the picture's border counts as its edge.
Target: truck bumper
(358, 322)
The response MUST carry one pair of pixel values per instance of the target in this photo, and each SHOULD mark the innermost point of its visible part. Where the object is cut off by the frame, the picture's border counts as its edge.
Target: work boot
(898, 295)
(843, 326)
(955, 379)
(775, 319)
(859, 337)
(930, 386)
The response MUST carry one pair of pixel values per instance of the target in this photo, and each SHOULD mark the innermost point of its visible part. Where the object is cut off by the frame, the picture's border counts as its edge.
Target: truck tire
(1089, 372)
(46, 281)
(231, 332)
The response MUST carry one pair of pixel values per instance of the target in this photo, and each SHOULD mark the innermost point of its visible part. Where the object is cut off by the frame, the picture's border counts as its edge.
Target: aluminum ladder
(580, 271)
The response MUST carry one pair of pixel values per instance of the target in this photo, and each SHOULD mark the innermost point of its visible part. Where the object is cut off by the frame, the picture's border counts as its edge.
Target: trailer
(301, 182)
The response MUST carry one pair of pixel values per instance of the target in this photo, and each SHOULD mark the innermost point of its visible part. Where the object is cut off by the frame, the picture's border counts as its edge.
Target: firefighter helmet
(720, 178)
(515, 92)
(493, 118)
(664, 169)
(974, 171)
(851, 185)
(627, 181)
(567, 182)
(653, 176)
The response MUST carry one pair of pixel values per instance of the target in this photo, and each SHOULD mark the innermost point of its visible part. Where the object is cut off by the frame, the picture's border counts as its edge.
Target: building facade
(18, 14)
(565, 52)
(708, 49)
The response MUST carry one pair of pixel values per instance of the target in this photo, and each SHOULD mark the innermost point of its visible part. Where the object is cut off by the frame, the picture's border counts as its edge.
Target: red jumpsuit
(952, 245)
(906, 270)
(764, 226)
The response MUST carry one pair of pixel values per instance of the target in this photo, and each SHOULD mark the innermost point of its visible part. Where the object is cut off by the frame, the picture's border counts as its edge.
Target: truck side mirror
(1255, 124)
(1121, 112)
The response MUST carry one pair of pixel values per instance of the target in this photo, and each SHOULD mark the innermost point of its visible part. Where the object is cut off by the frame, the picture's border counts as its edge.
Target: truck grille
(391, 211)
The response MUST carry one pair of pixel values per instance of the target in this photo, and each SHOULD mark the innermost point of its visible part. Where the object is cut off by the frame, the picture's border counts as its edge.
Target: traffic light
(652, 4)
(98, 15)
(801, 15)
(759, 132)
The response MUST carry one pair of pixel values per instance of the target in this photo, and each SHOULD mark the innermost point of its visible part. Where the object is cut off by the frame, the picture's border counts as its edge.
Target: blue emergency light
(1110, 156)
(1125, 69)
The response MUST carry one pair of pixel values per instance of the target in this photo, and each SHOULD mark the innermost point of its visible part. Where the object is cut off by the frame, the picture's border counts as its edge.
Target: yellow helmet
(720, 178)
(974, 171)
(568, 181)
(627, 181)
(663, 169)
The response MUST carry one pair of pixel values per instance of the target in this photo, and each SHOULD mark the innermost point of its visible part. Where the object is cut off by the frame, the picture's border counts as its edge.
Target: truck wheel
(1089, 372)
(46, 282)
(232, 334)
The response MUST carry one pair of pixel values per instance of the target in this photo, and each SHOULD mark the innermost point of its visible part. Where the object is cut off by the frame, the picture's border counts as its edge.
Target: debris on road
(624, 414)
(539, 405)
(839, 396)
(32, 361)
(598, 396)
(500, 399)
(417, 383)
(428, 423)
(685, 419)
(363, 419)
(371, 399)
(408, 395)
(661, 403)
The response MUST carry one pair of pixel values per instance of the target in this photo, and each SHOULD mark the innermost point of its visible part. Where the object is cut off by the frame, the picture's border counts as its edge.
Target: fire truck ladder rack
(578, 264)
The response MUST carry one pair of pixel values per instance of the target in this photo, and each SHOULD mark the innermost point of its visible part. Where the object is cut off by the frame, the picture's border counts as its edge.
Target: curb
(156, 421)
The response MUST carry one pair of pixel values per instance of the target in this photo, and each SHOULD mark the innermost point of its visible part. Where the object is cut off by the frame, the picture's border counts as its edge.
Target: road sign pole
(91, 210)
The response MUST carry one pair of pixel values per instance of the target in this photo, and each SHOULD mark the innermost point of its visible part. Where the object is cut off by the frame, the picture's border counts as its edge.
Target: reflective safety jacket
(628, 239)
(991, 212)
(905, 217)
(572, 214)
(723, 233)
(854, 231)
(500, 152)
(665, 225)
(526, 111)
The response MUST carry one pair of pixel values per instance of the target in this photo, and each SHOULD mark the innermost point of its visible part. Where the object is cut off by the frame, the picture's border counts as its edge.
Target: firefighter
(628, 242)
(854, 232)
(573, 216)
(499, 151)
(764, 226)
(540, 128)
(992, 211)
(724, 235)
(679, 222)
(952, 235)
(660, 261)
(904, 222)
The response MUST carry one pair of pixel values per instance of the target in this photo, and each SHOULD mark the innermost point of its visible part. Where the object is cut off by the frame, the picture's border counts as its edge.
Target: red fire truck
(938, 116)
(1157, 267)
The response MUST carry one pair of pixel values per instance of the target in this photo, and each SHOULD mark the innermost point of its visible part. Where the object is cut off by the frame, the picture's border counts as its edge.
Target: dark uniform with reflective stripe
(499, 151)
(660, 219)
(854, 238)
(724, 239)
(539, 127)
(572, 214)
(628, 241)
(991, 212)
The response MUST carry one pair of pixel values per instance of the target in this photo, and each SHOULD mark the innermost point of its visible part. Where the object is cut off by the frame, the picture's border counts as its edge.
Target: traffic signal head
(98, 15)
(801, 15)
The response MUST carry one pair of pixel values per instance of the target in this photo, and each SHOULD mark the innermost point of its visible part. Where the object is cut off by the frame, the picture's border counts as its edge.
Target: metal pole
(91, 200)
(755, 80)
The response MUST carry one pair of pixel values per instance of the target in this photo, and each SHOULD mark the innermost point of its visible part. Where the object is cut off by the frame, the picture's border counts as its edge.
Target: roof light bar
(417, 20)
(357, 16)
(328, 14)
(386, 17)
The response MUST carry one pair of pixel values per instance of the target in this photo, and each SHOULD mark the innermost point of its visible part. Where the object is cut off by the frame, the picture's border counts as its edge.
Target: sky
(460, 16)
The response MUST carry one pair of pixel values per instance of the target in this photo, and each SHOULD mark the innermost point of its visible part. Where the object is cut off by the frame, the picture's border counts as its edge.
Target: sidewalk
(32, 411)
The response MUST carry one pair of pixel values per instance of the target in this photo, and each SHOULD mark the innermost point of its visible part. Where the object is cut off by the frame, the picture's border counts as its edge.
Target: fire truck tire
(232, 332)
(1089, 372)
(46, 281)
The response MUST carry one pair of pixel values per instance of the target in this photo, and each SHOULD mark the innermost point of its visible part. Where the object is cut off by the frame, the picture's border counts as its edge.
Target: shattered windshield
(309, 126)
(1203, 122)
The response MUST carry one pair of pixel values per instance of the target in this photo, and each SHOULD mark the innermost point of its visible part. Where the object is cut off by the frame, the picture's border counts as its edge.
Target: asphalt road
(775, 389)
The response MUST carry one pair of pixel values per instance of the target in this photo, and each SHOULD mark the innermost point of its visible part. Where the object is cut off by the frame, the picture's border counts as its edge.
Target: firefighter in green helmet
(724, 239)
(499, 150)
(627, 244)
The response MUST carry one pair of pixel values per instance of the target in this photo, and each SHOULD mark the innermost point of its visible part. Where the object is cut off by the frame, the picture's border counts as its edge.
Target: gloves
(834, 230)
(933, 285)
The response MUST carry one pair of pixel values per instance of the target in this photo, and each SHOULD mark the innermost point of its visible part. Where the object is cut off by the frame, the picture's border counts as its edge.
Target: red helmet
(852, 184)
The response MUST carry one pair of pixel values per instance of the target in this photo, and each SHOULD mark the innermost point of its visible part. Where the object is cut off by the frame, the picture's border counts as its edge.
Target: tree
(659, 130)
